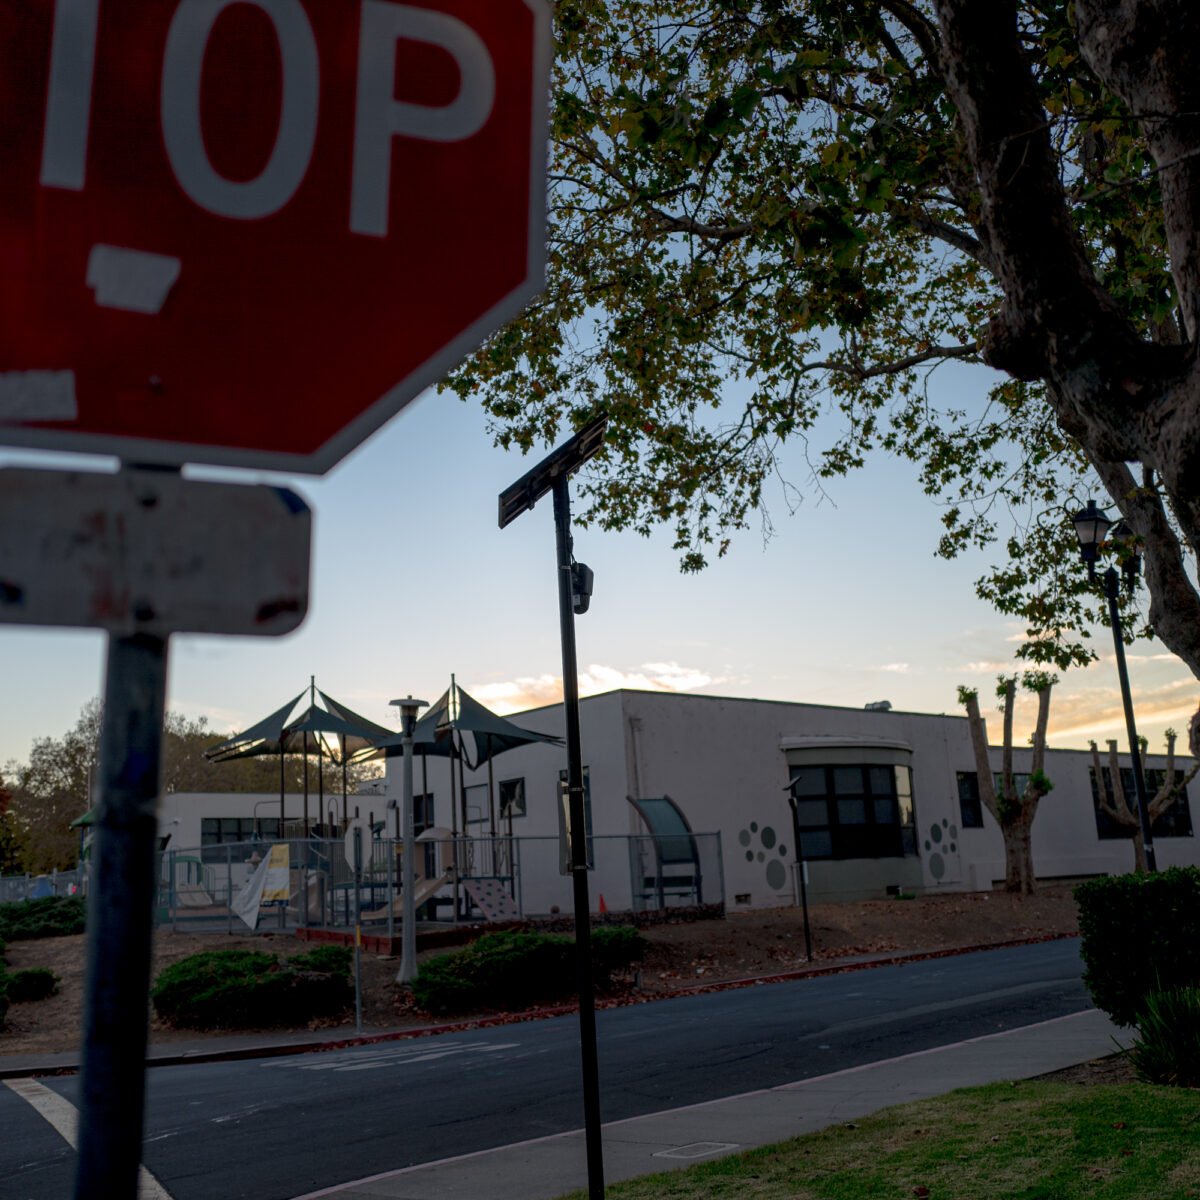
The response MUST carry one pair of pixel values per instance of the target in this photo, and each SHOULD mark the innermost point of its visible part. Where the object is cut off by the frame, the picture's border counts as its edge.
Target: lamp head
(1091, 527)
(408, 711)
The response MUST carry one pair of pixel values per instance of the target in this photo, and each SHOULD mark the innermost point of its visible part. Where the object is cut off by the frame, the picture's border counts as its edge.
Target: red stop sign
(249, 231)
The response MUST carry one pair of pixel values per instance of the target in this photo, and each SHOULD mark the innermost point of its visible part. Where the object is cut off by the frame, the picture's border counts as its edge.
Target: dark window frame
(1176, 821)
(851, 828)
(970, 803)
(213, 830)
(520, 809)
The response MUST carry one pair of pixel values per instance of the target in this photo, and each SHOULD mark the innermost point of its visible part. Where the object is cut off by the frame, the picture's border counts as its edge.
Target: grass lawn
(1032, 1141)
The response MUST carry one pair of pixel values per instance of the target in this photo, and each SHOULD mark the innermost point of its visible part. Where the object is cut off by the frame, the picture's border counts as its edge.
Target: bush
(505, 970)
(1168, 1045)
(615, 948)
(240, 989)
(3, 1003)
(33, 983)
(329, 960)
(1140, 933)
(512, 969)
(51, 916)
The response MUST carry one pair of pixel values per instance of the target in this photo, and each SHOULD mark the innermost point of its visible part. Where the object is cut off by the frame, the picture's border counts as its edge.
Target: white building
(886, 800)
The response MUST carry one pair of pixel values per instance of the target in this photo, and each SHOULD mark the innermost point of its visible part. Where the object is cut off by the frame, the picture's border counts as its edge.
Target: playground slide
(193, 895)
(425, 889)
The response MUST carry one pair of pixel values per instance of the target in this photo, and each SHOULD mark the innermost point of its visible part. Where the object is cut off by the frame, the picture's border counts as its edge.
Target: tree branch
(1057, 322)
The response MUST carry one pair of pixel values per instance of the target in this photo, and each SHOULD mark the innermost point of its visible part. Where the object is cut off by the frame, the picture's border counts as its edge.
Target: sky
(413, 580)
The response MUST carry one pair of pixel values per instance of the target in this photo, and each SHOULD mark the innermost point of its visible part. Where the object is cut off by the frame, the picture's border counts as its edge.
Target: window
(512, 798)
(215, 831)
(423, 812)
(1176, 821)
(970, 806)
(476, 800)
(970, 802)
(854, 811)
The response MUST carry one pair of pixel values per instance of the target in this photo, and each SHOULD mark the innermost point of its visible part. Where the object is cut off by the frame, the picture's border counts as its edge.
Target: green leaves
(764, 230)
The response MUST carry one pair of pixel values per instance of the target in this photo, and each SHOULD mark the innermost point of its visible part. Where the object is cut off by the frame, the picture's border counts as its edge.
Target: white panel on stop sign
(150, 552)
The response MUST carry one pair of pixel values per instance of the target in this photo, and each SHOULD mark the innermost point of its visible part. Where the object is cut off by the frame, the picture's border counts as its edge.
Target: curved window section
(854, 811)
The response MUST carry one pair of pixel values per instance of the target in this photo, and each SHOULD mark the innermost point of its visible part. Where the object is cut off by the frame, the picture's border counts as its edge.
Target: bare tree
(1013, 812)
(1114, 800)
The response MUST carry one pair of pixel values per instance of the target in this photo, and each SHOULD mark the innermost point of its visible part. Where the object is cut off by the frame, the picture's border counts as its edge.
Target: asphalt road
(275, 1128)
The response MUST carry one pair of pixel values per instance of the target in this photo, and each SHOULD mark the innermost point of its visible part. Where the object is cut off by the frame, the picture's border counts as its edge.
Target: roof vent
(879, 706)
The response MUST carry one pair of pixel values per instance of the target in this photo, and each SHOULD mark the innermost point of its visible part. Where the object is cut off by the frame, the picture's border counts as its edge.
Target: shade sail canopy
(483, 734)
(308, 733)
(479, 733)
(269, 728)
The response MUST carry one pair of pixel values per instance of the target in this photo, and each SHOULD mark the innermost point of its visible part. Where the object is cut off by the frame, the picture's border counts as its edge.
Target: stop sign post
(245, 233)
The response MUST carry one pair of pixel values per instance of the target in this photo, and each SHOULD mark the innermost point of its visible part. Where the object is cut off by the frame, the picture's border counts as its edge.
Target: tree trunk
(1139, 851)
(1013, 862)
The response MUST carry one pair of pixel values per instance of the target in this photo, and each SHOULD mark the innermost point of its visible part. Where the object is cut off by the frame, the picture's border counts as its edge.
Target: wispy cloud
(895, 668)
(532, 691)
(986, 667)
(1098, 712)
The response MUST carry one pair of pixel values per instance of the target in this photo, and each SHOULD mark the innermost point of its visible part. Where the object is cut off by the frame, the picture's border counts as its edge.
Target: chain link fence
(464, 879)
(34, 887)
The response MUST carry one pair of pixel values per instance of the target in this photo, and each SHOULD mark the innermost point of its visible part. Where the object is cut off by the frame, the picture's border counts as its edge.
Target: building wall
(726, 763)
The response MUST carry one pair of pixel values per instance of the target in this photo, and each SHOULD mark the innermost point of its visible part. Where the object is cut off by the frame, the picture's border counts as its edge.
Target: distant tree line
(40, 798)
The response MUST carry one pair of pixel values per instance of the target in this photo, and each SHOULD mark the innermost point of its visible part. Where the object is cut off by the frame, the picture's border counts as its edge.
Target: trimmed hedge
(32, 983)
(1140, 934)
(514, 969)
(332, 960)
(50, 916)
(246, 989)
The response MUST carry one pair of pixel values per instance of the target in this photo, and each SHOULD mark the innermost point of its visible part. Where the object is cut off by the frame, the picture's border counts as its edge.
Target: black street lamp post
(1092, 526)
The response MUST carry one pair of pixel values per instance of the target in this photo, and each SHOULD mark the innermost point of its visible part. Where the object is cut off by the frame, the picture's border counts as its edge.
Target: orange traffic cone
(603, 907)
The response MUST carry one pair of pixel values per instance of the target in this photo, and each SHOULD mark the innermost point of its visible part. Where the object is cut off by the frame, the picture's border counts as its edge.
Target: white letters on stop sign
(379, 118)
(183, 64)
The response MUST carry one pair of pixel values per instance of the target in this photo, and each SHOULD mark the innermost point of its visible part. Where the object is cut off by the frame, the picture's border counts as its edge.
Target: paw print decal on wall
(945, 832)
(763, 845)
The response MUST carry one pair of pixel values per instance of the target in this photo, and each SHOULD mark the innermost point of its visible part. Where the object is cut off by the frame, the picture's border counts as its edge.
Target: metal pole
(391, 891)
(491, 796)
(1112, 589)
(583, 929)
(358, 866)
(120, 920)
(408, 934)
(304, 736)
(803, 886)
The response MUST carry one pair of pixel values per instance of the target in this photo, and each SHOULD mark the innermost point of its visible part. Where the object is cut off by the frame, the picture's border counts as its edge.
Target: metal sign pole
(578, 840)
(120, 919)
(358, 866)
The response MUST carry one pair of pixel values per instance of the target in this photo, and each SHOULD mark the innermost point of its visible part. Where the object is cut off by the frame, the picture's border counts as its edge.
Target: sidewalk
(549, 1167)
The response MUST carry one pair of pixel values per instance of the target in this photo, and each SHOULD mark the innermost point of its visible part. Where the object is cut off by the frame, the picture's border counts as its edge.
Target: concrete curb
(316, 1045)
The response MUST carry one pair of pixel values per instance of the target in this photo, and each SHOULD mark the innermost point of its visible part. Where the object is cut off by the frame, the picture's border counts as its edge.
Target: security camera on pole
(408, 879)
